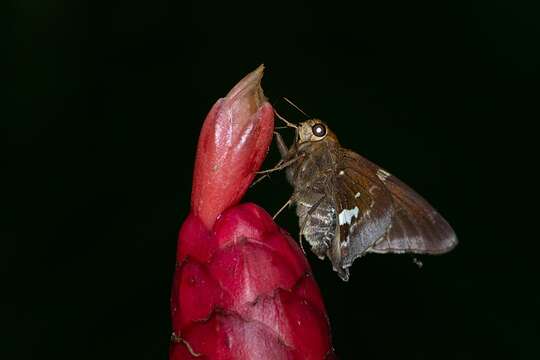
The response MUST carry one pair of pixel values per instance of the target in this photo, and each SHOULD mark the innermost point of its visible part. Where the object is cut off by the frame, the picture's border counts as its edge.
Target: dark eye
(318, 130)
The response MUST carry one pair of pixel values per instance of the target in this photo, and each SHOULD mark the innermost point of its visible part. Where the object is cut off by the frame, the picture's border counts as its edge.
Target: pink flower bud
(233, 143)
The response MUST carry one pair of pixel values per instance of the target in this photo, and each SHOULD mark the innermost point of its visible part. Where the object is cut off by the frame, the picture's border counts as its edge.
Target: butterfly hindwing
(376, 212)
(416, 226)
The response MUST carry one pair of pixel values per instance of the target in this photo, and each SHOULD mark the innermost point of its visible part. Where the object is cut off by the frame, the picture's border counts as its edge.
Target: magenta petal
(195, 283)
(300, 326)
(248, 271)
(229, 337)
(244, 221)
(195, 239)
(306, 323)
(252, 293)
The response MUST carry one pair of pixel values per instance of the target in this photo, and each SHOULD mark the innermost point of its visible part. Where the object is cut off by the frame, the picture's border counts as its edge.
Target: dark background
(102, 114)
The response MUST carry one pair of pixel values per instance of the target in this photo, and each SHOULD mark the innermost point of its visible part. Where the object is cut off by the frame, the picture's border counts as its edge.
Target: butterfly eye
(318, 130)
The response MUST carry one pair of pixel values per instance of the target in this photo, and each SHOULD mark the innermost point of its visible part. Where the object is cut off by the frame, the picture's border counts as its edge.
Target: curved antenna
(296, 107)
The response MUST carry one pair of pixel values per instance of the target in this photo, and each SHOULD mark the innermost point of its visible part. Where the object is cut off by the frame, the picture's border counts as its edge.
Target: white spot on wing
(342, 172)
(382, 174)
(346, 215)
(357, 195)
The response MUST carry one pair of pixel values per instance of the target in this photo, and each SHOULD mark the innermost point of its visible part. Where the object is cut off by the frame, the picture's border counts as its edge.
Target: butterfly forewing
(363, 206)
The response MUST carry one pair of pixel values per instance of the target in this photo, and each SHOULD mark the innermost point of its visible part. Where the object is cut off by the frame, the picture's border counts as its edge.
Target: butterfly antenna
(296, 107)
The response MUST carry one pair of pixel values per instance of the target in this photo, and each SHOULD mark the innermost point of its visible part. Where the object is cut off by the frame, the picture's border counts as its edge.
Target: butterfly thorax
(317, 160)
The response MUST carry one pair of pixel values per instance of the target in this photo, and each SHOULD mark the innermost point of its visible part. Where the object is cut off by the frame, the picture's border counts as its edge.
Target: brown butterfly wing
(392, 218)
(416, 226)
(348, 206)
(364, 209)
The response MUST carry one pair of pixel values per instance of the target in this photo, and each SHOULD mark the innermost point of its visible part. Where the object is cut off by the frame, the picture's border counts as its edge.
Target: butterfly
(347, 206)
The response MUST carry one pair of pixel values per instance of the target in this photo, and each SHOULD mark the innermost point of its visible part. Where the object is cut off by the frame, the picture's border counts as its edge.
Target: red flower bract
(252, 296)
(242, 288)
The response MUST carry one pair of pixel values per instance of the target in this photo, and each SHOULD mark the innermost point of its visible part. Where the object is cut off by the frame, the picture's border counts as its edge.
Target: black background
(102, 114)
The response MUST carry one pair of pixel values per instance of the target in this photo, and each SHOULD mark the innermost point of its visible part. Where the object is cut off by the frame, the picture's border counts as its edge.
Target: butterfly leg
(266, 172)
(264, 176)
(288, 203)
(282, 147)
(282, 164)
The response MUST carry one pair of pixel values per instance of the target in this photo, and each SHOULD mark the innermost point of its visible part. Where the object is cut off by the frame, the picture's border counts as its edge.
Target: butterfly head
(314, 130)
